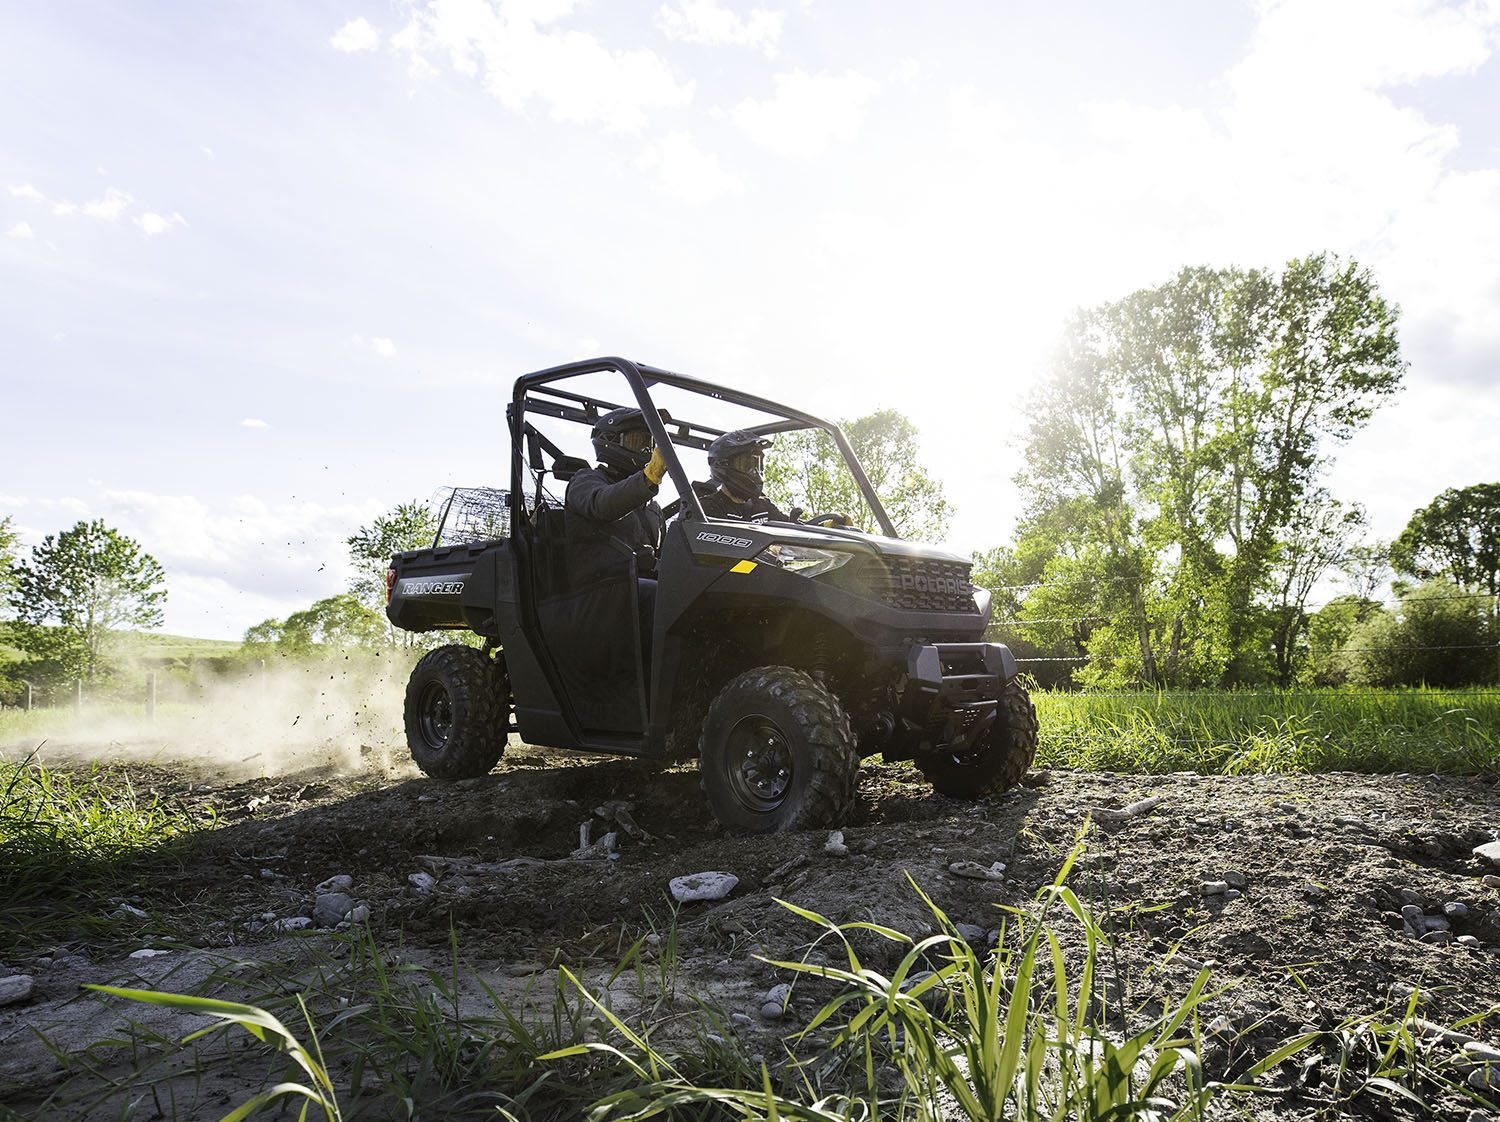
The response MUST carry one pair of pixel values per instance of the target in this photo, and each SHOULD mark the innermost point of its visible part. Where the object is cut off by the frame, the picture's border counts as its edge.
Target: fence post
(28, 697)
(77, 697)
(151, 697)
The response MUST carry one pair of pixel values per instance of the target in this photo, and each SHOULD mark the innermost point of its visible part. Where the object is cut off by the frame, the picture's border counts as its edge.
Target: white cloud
(383, 347)
(155, 224)
(712, 24)
(20, 230)
(687, 173)
(254, 423)
(356, 35)
(808, 113)
(114, 204)
(580, 80)
(26, 191)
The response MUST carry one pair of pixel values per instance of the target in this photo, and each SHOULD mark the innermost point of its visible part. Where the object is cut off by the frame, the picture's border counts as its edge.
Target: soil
(1313, 935)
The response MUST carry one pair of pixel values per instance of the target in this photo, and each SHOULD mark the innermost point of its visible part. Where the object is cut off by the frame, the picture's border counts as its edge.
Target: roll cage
(540, 394)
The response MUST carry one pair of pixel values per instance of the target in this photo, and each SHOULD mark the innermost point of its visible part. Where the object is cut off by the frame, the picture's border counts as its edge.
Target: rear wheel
(777, 753)
(456, 718)
(1000, 760)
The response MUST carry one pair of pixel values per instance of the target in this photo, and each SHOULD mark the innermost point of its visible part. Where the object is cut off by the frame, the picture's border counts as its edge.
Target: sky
(269, 268)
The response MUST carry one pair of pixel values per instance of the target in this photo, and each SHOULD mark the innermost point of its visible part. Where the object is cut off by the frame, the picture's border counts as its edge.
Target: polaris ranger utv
(778, 654)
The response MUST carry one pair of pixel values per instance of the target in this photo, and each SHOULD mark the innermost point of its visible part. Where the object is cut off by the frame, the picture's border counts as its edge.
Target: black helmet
(736, 460)
(622, 441)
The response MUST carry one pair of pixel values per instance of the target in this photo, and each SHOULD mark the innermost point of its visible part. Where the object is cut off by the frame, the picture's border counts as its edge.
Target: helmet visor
(636, 440)
(747, 461)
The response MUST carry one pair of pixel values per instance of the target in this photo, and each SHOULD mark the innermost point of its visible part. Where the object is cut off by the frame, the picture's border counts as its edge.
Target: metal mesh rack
(474, 514)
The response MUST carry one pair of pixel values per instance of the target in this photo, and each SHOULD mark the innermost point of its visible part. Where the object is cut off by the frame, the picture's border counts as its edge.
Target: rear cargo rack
(473, 514)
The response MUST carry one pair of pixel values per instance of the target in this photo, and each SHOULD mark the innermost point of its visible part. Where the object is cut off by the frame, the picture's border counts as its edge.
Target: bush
(1438, 636)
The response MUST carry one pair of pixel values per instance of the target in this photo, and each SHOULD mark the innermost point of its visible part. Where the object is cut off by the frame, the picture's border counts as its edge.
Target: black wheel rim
(435, 715)
(758, 764)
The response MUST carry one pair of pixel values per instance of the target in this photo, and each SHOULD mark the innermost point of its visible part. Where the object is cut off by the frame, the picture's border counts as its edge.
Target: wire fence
(1022, 624)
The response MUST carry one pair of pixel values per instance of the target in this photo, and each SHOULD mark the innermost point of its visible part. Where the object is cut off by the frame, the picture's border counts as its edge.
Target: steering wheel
(832, 518)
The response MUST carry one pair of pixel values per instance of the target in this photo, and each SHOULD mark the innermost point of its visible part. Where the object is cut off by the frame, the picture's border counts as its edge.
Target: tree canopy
(87, 581)
(410, 525)
(805, 469)
(1172, 462)
(1456, 536)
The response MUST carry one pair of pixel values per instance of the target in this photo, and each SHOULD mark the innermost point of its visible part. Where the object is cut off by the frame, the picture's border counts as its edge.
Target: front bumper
(948, 697)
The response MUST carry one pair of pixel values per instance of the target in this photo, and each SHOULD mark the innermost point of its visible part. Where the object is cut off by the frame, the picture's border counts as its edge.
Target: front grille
(919, 584)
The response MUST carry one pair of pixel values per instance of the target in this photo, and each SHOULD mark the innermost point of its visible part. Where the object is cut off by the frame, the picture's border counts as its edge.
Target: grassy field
(1448, 731)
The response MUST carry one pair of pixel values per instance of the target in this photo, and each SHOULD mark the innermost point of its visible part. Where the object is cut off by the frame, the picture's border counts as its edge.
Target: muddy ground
(1289, 889)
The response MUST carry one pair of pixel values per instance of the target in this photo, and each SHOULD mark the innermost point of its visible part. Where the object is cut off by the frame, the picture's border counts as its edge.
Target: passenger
(736, 462)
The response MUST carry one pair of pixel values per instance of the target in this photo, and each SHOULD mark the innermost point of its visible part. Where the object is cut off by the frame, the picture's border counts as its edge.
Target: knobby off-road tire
(777, 753)
(456, 715)
(999, 763)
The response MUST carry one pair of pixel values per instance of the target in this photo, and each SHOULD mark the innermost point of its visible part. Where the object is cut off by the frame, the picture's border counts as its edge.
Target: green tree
(335, 621)
(1312, 547)
(88, 581)
(9, 543)
(409, 525)
(1176, 445)
(1439, 635)
(805, 469)
(1456, 536)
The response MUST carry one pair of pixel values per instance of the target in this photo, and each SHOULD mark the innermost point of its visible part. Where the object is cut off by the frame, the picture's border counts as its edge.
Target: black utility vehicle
(778, 654)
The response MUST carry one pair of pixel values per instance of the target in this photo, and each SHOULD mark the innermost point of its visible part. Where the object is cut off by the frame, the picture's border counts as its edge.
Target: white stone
(973, 870)
(702, 886)
(148, 952)
(341, 883)
(16, 988)
(423, 882)
(1490, 851)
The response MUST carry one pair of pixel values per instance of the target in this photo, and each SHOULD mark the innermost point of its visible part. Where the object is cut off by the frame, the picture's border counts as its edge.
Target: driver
(735, 463)
(618, 498)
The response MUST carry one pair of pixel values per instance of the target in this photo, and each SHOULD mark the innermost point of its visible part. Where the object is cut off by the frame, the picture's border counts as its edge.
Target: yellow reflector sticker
(743, 567)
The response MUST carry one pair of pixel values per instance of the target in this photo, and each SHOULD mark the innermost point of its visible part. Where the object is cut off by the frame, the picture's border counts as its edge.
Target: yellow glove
(656, 467)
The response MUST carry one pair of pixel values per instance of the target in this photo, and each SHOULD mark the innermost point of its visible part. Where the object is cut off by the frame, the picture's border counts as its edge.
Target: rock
(360, 913)
(343, 882)
(773, 1005)
(1490, 880)
(970, 933)
(148, 952)
(1455, 910)
(423, 882)
(293, 923)
(740, 1020)
(1236, 879)
(974, 871)
(1489, 851)
(835, 844)
(330, 908)
(1221, 1026)
(1214, 887)
(702, 886)
(16, 988)
(1414, 922)
(785, 867)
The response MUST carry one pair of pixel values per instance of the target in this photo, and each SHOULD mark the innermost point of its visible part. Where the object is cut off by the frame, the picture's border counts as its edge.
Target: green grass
(1419, 730)
(73, 842)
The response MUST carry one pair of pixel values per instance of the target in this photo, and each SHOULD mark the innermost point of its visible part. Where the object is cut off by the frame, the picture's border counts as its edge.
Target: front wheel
(1001, 758)
(456, 714)
(777, 753)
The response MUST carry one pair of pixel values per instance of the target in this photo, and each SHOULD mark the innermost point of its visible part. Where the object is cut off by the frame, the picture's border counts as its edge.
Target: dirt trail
(1289, 888)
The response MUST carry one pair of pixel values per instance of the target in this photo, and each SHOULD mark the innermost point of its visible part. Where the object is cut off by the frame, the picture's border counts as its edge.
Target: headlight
(804, 559)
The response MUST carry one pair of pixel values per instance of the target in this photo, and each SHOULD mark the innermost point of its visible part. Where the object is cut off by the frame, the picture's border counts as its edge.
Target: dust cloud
(339, 716)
